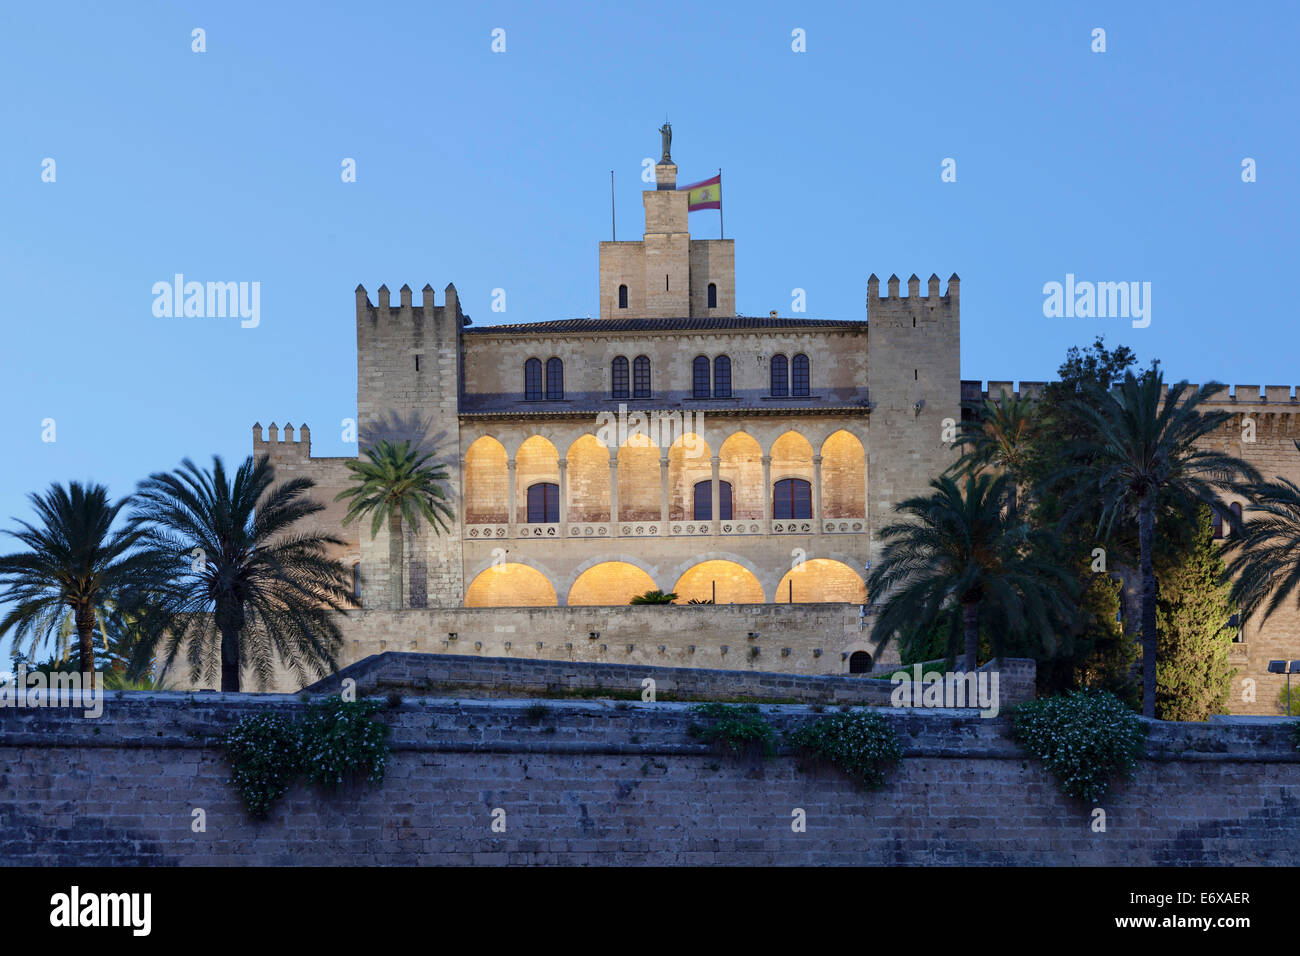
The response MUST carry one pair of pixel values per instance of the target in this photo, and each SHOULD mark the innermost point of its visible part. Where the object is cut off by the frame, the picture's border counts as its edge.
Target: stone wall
(606, 782)
(446, 675)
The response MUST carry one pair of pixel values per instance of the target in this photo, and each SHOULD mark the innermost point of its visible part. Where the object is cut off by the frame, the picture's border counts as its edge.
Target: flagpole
(613, 230)
(721, 232)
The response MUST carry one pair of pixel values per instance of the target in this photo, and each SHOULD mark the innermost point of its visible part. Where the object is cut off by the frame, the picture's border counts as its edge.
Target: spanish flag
(704, 195)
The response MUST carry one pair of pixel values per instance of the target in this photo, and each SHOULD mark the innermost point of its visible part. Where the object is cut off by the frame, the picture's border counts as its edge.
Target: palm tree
(397, 484)
(998, 438)
(1265, 553)
(1143, 456)
(75, 563)
(963, 549)
(242, 589)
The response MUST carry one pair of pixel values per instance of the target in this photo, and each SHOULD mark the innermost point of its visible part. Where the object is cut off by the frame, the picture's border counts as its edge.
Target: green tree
(999, 437)
(1143, 452)
(397, 484)
(1264, 556)
(242, 586)
(959, 548)
(1090, 648)
(1193, 677)
(74, 563)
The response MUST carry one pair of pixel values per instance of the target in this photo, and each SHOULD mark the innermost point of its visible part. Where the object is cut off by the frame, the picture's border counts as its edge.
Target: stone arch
(638, 479)
(726, 582)
(740, 461)
(821, 580)
(513, 584)
(536, 461)
(792, 456)
(844, 474)
(609, 583)
(486, 482)
(689, 461)
(587, 478)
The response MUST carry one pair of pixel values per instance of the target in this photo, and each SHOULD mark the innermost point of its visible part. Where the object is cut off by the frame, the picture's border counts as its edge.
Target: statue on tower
(666, 134)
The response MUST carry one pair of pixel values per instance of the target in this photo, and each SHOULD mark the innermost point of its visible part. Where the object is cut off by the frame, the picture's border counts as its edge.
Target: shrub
(1295, 700)
(860, 743)
(341, 743)
(741, 728)
(654, 597)
(1088, 739)
(265, 752)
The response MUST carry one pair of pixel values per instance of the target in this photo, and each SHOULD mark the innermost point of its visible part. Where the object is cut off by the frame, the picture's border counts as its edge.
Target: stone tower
(408, 387)
(914, 386)
(667, 274)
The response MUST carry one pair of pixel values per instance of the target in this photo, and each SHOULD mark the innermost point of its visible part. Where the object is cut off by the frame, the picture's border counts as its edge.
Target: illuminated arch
(740, 462)
(536, 461)
(724, 582)
(486, 482)
(587, 478)
(610, 582)
(510, 585)
(688, 463)
(844, 471)
(821, 580)
(638, 479)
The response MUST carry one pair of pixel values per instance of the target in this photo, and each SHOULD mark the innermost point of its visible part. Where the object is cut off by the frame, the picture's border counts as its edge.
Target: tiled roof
(702, 324)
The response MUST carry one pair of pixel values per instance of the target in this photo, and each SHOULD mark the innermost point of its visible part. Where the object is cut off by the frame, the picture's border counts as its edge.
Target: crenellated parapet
(406, 310)
(281, 446)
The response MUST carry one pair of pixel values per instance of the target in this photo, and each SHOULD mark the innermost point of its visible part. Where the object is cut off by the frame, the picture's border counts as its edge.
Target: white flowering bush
(340, 742)
(1087, 739)
(264, 753)
(335, 742)
(860, 743)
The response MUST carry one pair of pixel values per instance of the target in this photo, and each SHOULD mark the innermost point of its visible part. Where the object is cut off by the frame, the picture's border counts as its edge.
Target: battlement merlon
(976, 390)
(407, 311)
(913, 290)
(278, 447)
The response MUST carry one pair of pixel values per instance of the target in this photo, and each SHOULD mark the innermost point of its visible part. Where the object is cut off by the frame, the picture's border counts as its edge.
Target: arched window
(618, 374)
(780, 376)
(703, 504)
(792, 498)
(722, 377)
(701, 374)
(622, 297)
(356, 580)
(799, 383)
(544, 503)
(554, 379)
(859, 662)
(641, 377)
(713, 295)
(1216, 521)
(533, 380)
(1235, 508)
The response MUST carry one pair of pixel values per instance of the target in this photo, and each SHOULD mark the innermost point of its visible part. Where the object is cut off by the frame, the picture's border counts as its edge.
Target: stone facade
(671, 444)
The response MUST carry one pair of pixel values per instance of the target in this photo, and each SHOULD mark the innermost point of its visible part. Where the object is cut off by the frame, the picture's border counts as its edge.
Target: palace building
(672, 445)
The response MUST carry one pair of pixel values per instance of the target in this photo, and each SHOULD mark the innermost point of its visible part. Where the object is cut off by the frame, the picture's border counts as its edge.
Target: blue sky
(491, 170)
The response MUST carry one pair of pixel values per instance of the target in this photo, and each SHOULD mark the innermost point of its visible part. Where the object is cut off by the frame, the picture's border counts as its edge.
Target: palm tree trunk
(230, 660)
(395, 561)
(85, 621)
(970, 622)
(1146, 532)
